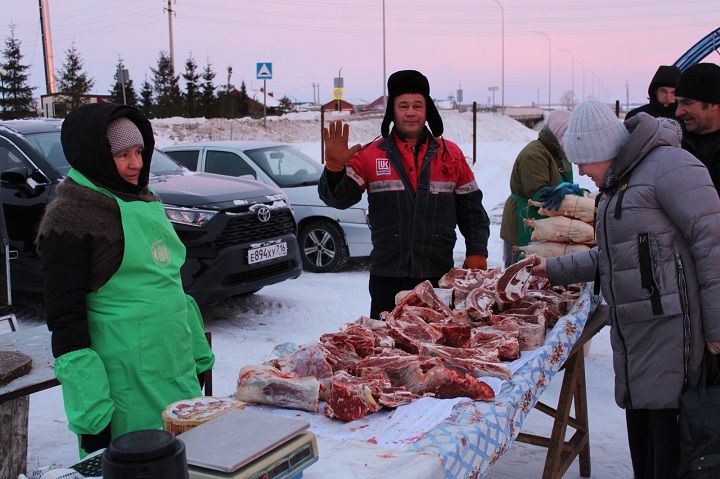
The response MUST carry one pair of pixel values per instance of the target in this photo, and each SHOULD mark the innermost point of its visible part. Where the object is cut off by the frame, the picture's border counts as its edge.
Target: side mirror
(15, 176)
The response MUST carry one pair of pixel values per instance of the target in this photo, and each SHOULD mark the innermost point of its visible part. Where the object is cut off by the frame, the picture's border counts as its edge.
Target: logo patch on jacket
(382, 167)
(160, 253)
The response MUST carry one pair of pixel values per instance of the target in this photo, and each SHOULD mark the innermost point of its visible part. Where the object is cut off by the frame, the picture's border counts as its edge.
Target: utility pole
(170, 13)
(47, 46)
(627, 96)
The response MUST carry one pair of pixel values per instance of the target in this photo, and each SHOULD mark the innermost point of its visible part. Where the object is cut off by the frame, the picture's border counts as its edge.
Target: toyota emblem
(263, 214)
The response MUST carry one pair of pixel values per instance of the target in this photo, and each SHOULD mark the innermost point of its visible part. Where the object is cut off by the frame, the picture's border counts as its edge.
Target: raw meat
(445, 382)
(266, 385)
(479, 304)
(350, 398)
(422, 295)
(506, 342)
(513, 284)
(454, 334)
(410, 331)
(530, 335)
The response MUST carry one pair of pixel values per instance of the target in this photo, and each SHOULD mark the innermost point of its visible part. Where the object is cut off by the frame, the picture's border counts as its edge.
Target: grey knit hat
(594, 134)
(123, 134)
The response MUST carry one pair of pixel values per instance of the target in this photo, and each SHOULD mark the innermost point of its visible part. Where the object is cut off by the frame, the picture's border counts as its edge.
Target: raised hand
(337, 153)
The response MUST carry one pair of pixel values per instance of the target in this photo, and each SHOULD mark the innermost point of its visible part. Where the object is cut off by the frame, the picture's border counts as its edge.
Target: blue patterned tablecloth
(475, 433)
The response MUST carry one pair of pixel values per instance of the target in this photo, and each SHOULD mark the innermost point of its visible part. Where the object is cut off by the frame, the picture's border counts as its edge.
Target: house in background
(56, 105)
(339, 105)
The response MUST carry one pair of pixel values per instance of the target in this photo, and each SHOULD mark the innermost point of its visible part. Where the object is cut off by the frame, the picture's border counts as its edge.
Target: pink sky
(453, 42)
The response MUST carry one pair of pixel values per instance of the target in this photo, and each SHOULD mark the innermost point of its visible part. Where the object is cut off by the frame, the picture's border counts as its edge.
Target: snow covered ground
(245, 330)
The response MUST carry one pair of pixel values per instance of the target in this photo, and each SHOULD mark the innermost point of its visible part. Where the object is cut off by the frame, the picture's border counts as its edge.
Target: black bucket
(145, 454)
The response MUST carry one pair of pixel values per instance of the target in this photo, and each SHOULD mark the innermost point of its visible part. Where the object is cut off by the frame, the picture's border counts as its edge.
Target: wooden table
(562, 453)
(14, 396)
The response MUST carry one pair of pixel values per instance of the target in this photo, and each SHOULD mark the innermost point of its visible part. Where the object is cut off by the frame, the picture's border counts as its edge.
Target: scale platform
(244, 445)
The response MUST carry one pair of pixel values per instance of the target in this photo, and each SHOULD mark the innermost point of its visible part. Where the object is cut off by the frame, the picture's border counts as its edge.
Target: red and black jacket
(416, 195)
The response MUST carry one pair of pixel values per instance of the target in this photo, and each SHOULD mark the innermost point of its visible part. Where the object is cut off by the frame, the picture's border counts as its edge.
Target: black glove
(552, 196)
(92, 442)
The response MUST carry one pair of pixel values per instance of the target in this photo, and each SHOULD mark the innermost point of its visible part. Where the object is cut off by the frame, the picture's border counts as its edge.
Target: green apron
(147, 335)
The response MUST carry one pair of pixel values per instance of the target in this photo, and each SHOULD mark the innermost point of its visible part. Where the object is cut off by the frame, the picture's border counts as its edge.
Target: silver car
(327, 236)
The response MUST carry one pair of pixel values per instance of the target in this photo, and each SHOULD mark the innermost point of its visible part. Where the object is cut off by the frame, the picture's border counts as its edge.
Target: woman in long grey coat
(658, 249)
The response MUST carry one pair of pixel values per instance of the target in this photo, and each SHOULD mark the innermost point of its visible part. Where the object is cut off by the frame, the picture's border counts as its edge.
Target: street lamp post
(572, 74)
(384, 71)
(549, 65)
(502, 30)
(583, 82)
(493, 89)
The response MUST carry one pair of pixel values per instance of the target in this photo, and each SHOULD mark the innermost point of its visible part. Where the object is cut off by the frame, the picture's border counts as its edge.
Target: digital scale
(240, 444)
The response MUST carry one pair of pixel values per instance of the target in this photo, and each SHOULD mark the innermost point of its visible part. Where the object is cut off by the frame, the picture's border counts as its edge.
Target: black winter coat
(706, 148)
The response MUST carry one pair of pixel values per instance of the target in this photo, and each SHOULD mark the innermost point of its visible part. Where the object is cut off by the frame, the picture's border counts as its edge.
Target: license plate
(265, 253)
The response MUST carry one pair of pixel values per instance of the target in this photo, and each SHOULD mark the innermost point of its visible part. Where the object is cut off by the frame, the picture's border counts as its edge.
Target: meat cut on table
(425, 346)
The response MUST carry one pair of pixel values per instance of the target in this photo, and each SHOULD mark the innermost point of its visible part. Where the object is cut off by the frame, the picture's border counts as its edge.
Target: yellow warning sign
(338, 93)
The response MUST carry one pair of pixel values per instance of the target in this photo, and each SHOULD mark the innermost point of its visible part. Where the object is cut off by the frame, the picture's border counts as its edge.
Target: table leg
(562, 453)
(14, 436)
(581, 415)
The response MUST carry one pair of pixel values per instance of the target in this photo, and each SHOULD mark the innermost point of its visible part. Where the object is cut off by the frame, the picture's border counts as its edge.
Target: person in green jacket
(538, 168)
(126, 338)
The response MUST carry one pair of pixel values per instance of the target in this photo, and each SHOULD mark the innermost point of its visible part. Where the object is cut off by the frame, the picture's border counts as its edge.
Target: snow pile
(305, 127)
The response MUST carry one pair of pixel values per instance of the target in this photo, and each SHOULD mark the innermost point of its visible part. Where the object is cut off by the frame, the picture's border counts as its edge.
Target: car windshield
(49, 145)
(287, 166)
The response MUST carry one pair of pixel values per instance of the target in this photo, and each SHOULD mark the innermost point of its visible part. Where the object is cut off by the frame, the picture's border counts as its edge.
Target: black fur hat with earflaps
(411, 81)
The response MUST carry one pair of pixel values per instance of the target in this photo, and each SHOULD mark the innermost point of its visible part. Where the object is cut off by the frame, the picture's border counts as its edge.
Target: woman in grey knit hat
(657, 228)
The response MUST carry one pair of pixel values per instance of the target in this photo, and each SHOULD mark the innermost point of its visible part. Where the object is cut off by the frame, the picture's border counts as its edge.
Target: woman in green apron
(127, 340)
(541, 163)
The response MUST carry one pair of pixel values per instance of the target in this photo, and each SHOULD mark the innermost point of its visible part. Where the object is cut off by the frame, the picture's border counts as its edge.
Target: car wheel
(322, 247)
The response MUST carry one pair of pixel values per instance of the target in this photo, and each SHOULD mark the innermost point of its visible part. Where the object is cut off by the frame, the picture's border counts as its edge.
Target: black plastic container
(145, 454)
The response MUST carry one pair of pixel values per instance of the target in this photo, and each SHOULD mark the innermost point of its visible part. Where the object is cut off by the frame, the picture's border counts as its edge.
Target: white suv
(327, 236)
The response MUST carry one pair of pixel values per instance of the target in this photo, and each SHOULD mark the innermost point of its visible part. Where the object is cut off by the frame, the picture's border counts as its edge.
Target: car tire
(322, 247)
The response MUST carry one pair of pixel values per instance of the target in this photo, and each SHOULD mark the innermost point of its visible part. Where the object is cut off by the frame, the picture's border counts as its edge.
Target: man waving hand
(419, 189)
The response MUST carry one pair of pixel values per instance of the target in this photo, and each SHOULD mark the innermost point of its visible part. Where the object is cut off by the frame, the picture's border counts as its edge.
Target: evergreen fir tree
(192, 95)
(72, 80)
(168, 99)
(208, 100)
(146, 100)
(227, 102)
(243, 101)
(117, 90)
(16, 100)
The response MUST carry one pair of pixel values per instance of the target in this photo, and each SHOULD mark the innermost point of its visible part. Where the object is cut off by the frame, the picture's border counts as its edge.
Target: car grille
(247, 228)
(260, 274)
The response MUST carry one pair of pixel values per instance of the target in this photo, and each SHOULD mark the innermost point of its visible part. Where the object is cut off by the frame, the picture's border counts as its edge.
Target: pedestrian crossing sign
(264, 71)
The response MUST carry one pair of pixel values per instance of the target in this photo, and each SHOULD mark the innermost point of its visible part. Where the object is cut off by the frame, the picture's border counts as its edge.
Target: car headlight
(188, 216)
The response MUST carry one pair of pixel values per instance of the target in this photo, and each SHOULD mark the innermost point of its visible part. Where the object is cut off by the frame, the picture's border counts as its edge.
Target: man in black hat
(419, 188)
(661, 94)
(698, 96)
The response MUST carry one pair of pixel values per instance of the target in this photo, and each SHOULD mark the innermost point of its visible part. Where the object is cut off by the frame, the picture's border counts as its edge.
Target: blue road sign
(264, 71)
